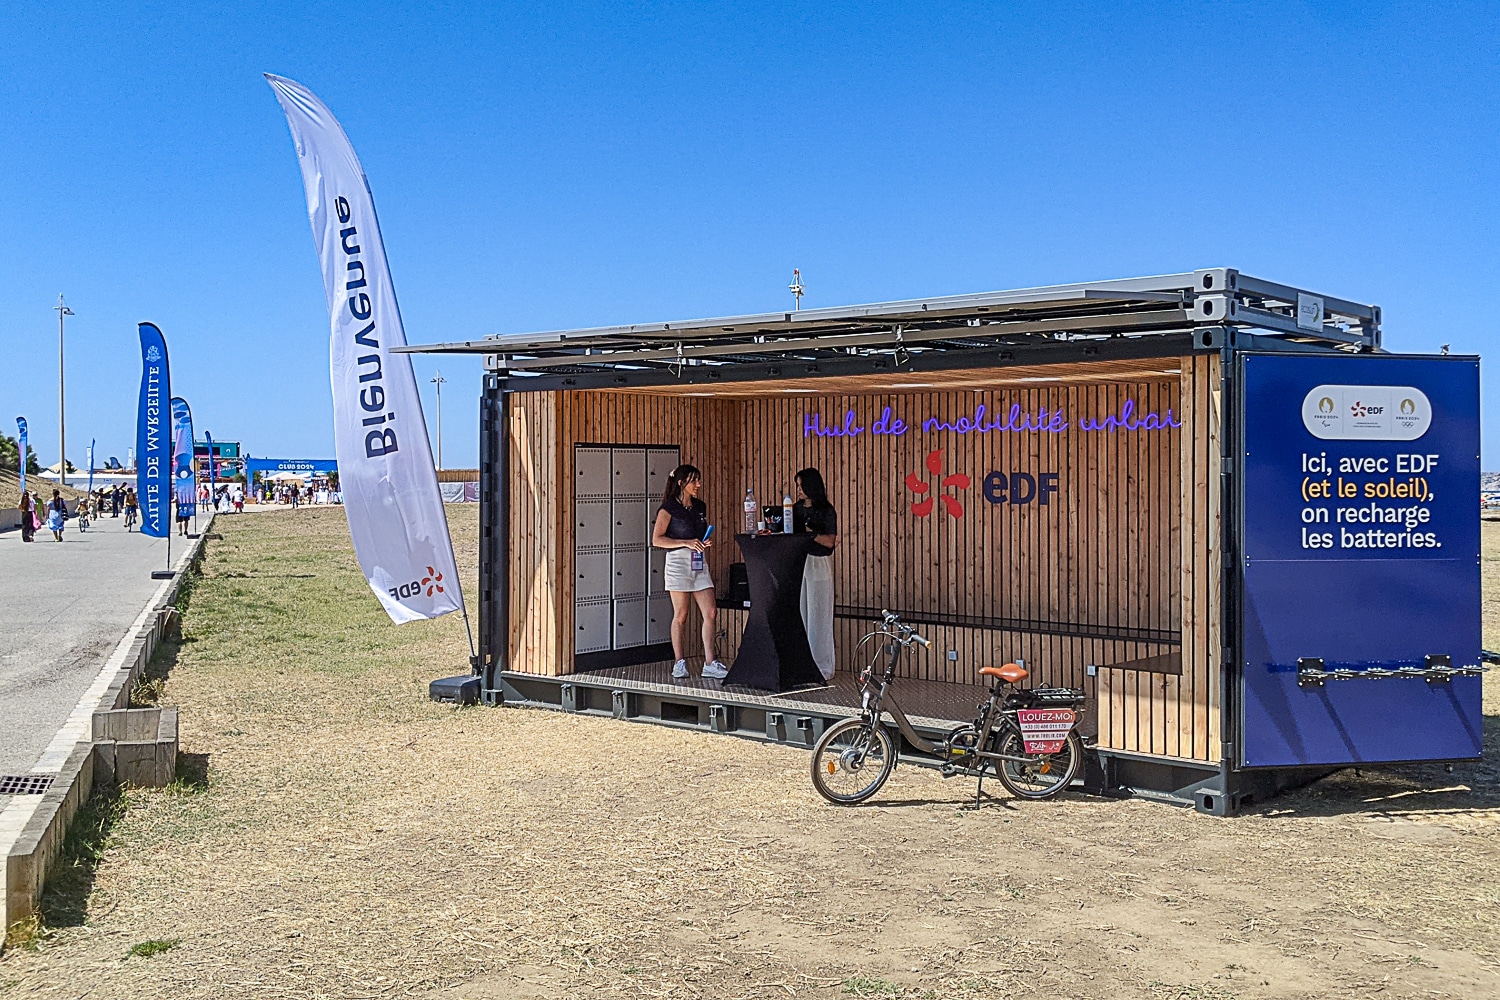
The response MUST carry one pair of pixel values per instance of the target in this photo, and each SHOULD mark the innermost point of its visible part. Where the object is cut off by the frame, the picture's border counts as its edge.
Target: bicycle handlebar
(910, 634)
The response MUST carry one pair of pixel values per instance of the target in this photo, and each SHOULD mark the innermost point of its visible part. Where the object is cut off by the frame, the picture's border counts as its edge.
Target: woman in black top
(814, 515)
(681, 522)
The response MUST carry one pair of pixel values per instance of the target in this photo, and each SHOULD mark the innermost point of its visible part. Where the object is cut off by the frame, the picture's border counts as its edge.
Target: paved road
(63, 608)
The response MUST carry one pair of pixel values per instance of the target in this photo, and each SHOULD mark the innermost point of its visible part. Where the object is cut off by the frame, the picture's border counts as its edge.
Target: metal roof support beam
(1130, 307)
(894, 338)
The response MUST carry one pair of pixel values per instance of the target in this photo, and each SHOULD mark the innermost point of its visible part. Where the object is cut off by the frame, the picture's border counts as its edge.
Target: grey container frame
(1217, 311)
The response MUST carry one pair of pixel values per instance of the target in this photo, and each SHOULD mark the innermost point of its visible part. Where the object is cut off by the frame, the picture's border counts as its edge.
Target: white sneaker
(715, 671)
(679, 670)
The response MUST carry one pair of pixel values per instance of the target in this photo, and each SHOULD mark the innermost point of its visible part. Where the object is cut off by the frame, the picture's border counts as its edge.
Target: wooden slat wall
(541, 608)
(1093, 555)
(1178, 716)
(1130, 540)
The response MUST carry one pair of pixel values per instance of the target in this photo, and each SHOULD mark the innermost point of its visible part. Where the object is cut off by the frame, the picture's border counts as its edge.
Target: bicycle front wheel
(852, 761)
(1041, 776)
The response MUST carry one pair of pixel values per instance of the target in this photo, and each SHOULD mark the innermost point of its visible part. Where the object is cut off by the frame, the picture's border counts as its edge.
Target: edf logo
(1020, 487)
(1016, 488)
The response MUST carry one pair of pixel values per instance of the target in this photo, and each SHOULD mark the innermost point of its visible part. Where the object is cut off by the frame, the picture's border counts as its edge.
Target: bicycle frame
(876, 696)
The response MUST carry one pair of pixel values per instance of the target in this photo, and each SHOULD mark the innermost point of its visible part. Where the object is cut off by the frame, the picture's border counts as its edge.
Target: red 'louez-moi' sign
(1044, 730)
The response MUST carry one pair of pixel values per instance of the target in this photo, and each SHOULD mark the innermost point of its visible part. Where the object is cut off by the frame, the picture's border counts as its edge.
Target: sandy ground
(354, 840)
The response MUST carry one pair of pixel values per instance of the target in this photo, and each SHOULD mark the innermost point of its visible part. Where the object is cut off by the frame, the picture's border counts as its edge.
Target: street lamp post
(438, 381)
(62, 440)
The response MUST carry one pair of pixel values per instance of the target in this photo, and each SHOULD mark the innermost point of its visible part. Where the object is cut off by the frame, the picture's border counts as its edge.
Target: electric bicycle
(1027, 737)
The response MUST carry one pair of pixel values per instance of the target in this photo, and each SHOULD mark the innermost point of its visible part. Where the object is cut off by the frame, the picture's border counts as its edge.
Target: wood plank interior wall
(541, 611)
(1128, 541)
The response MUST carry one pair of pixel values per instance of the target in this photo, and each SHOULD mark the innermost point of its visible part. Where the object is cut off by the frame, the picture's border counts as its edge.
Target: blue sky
(537, 168)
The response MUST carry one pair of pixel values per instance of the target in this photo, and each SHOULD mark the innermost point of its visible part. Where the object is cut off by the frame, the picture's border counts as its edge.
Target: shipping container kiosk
(1212, 501)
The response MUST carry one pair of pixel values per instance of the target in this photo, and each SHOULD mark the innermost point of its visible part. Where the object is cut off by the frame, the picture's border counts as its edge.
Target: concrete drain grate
(25, 784)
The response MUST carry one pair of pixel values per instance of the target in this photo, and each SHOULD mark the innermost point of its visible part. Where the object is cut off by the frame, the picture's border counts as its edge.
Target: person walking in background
(57, 515)
(28, 517)
(115, 500)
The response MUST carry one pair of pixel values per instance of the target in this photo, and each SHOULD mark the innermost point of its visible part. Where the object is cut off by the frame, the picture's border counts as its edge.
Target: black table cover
(774, 654)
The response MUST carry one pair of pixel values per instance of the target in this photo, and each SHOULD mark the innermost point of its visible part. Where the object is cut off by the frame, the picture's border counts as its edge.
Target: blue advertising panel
(1360, 539)
(21, 429)
(300, 466)
(185, 482)
(153, 447)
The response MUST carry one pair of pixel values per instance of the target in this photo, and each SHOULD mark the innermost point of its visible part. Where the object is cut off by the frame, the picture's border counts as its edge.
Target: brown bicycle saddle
(1011, 673)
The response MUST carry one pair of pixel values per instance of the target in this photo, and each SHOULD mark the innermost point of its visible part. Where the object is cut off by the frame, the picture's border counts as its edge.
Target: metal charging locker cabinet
(593, 576)
(629, 527)
(629, 472)
(629, 578)
(659, 618)
(593, 626)
(630, 622)
(659, 465)
(656, 582)
(595, 526)
(592, 473)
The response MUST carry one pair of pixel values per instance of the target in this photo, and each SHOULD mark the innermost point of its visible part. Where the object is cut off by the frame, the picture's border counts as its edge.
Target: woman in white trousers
(814, 515)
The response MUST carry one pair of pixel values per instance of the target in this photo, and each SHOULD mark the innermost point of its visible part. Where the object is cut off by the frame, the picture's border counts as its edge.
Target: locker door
(629, 574)
(591, 472)
(593, 524)
(593, 575)
(630, 622)
(629, 526)
(656, 581)
(659, 465)
(629, 472)
(659, 618)
(593, 626)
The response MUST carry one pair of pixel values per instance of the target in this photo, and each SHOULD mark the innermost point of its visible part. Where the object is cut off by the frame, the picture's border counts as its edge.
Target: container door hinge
(1310, 671)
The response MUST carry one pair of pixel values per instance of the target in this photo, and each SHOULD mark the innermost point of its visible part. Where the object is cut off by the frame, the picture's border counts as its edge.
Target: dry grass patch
(351, 839)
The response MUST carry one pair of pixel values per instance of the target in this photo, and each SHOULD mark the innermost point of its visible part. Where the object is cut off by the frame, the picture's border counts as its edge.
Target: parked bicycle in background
(1027, 737)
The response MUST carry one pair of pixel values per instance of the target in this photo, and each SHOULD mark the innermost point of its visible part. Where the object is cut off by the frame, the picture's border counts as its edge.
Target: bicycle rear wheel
(852, 761)
(1042, 775)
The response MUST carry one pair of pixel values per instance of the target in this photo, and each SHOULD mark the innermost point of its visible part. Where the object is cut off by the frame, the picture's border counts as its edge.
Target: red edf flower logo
(919, 486)
(433, 581)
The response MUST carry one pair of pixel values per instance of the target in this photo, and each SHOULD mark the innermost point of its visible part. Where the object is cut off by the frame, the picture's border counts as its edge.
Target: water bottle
(752, 511)
(786, 515)
(696, 560)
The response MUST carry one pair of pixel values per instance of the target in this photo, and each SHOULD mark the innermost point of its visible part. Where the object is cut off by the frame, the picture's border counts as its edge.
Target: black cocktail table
(774, 654)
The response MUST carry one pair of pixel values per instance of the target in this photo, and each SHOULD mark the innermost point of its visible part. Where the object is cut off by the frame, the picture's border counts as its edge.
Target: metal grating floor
(25, 784)
(936, 704)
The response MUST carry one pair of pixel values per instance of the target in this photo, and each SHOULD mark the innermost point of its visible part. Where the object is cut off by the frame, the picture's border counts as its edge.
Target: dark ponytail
(680, 477)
